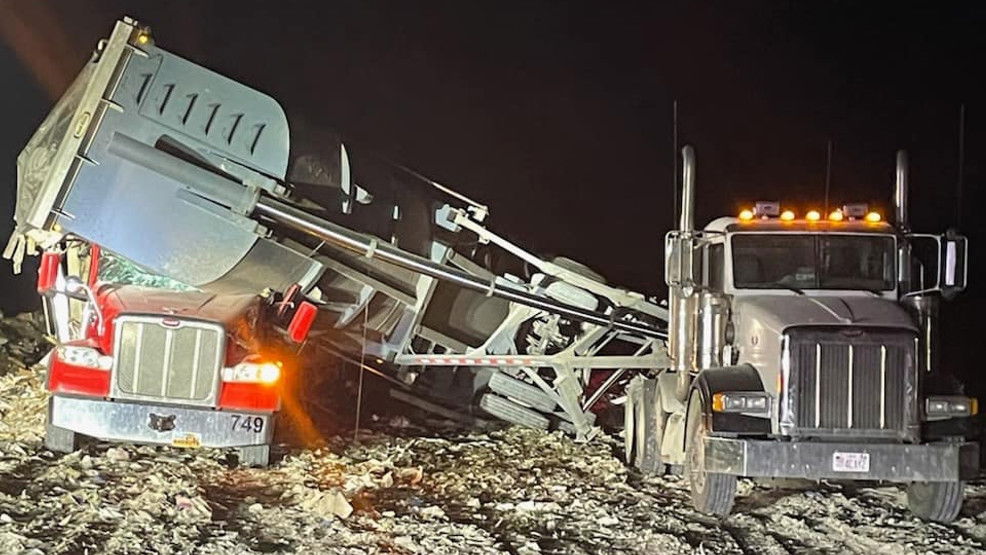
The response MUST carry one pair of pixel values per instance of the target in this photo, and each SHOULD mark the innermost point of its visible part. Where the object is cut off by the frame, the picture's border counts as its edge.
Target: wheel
(254, 455)
(60, 440)
(935, 501)
(712, 492)
(644, 420)
(629, 420)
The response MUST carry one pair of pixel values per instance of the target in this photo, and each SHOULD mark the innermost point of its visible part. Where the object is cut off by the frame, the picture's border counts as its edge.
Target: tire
(254, 455)
(629, 421)
(644, 420)
(935, 501)
(712, 492)
(60, 440)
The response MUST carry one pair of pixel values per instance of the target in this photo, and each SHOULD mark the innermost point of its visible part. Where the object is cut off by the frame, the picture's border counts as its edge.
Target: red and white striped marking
(475, 361)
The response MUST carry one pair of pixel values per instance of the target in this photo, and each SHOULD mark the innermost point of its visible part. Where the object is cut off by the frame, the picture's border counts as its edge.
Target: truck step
(526, 393)
(510, 411)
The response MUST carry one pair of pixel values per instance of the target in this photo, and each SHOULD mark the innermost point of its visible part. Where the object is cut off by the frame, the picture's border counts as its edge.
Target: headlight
(746, 402)
(84, 356)
(253, 372)
(941, 407)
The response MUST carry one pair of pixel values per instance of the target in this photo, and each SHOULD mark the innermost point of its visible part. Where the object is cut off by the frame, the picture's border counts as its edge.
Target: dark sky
(558, 115)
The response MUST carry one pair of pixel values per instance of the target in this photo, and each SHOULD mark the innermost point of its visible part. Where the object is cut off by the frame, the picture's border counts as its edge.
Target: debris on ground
(407, 491)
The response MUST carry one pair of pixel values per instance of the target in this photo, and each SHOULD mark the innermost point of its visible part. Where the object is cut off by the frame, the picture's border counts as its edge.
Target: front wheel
(712, 492)
(935, 501)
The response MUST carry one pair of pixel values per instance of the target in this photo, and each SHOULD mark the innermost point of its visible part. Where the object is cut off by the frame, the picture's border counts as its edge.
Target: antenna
(958, 185)
(828, 174)
(674, 161)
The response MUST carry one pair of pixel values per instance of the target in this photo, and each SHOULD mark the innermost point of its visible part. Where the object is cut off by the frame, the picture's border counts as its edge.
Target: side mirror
(48, 271)
(683, 260)
(938, 263)
(954, 271)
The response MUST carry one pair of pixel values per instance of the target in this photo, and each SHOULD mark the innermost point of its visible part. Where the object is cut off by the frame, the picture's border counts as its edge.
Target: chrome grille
(848, 379)
(179, 361)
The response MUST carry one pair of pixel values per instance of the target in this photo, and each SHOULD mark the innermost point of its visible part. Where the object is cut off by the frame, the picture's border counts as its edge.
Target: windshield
(813, 261)
(116, 269)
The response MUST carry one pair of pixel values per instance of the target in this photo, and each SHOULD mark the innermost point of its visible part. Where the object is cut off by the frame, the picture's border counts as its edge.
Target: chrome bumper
(159, 424)
(892, 462)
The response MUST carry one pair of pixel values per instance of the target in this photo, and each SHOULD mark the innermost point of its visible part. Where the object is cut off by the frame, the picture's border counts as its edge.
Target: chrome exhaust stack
(687, 222)
(683, 298)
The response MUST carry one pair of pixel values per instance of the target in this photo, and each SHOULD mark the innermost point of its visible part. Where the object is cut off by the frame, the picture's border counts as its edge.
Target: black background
(558, 115)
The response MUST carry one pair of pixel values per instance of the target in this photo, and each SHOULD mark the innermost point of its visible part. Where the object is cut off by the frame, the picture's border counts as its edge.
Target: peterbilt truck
(199, 178)
(142, 363)
(804, 347)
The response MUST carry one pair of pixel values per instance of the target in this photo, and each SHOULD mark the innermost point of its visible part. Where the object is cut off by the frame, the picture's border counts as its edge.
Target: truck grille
(179, 361)
(843, 380)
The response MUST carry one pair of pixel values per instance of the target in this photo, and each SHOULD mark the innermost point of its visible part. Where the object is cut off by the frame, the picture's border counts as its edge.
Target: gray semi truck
(804, 347)
(792, 346)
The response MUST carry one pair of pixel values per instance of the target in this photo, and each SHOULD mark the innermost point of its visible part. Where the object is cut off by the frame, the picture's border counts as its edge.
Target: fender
(729, 378)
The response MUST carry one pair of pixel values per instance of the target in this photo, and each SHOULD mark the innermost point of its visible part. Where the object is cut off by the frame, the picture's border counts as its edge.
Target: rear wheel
(712, 492)
(935, 501)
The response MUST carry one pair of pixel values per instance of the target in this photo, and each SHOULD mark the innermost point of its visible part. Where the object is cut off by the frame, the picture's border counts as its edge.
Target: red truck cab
(147, 365)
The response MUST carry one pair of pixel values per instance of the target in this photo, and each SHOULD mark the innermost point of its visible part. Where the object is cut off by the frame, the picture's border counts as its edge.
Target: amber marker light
(813, 216)
(746, 215)
(873, 217)
(836, 216)
(787, 215)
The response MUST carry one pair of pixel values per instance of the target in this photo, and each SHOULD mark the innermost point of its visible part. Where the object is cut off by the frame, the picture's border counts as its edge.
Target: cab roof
(731, 224)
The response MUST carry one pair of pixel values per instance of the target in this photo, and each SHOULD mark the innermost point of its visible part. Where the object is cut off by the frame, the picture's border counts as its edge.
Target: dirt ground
(405, 489)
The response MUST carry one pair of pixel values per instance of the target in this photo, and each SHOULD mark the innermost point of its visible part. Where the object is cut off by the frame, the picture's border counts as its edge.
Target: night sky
(559, 116)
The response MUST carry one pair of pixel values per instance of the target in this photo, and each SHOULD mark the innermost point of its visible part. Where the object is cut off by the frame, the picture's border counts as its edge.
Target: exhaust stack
(687, 189)
(900, 193)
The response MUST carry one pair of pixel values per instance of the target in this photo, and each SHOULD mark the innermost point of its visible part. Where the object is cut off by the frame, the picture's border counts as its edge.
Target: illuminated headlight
(84, 356)
(253, 372)
(746, 402)
(937, 408)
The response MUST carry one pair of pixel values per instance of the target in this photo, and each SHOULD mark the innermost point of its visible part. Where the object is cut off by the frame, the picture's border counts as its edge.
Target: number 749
(253, 424)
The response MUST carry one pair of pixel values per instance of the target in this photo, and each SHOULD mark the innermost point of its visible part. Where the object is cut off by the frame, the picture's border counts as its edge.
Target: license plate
(851, 462)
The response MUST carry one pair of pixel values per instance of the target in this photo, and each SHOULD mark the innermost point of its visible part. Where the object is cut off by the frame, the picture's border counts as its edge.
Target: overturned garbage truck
(792, 347)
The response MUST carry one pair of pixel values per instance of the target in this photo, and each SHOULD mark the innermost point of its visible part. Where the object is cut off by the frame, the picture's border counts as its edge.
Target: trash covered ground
(406, 489)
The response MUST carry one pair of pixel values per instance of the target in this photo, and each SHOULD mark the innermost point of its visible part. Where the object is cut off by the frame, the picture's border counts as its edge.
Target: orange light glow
(813, 216)
(746, 215)
(269, 372)
(873, 217)
(836, 216)
(787, 215)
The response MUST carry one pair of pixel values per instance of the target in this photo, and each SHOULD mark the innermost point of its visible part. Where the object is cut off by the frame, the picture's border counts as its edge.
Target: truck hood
(132, 299)
(778, 312)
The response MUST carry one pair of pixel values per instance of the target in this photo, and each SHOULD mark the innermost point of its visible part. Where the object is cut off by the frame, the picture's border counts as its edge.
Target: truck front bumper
(892, 462)
(180, 426)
